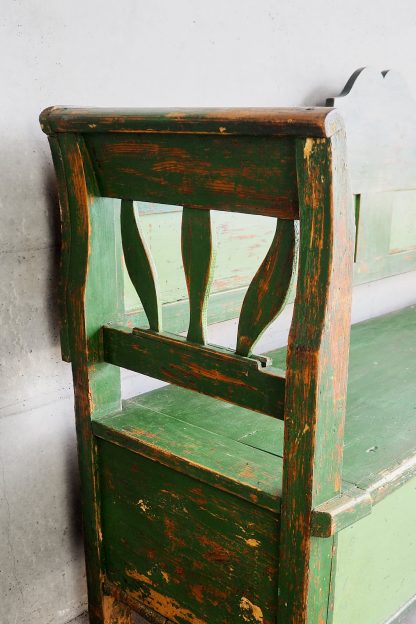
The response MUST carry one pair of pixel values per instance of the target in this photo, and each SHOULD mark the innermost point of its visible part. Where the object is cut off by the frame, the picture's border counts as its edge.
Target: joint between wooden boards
(214, 371)
(340, 512)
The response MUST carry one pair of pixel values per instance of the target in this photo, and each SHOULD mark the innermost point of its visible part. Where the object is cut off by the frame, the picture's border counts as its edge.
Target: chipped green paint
(209, 369)
(169, 538)
(140, 265)
(201, 514)
(268, 291)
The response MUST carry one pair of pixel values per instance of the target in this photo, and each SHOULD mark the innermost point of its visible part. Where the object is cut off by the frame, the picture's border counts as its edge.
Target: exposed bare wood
(267, 294)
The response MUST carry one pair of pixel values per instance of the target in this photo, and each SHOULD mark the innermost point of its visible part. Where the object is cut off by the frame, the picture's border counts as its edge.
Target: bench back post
(91, 261)
(317, 369)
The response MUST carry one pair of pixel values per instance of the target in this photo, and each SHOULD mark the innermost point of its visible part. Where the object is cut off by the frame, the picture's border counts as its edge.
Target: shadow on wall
(52, 202)
(54, 320)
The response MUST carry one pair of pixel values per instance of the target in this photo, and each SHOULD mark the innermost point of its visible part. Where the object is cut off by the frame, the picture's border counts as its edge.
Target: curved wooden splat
(269, 288)
(379, 111)
(197, 263)
(139, 265)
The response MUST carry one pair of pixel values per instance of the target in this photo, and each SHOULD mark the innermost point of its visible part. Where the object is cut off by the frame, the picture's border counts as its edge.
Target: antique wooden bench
(234, 494)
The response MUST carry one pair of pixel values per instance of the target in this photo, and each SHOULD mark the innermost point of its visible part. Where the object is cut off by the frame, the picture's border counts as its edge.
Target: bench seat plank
(241, 451)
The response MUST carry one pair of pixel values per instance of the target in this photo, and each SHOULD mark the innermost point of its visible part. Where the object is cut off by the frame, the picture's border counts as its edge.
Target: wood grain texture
(258, 521)
(310, 121)
(214, 371)
(198, 264)
(200, 171)
(380, 117)
(192, 449)
(96, 385)
(115, 612)
(267, 294)
(139, 265)
(170, 539)
(317, 365)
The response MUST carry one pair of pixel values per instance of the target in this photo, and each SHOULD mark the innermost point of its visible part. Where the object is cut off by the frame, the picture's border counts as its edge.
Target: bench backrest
(285, 163)
(239, 161)
(380, 117)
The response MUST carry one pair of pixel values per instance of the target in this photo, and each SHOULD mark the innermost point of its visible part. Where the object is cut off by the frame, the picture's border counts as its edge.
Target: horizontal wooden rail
(236, 174)
(211, 370)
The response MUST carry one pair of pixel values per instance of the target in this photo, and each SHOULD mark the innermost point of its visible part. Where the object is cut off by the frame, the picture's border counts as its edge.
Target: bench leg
(115, 612)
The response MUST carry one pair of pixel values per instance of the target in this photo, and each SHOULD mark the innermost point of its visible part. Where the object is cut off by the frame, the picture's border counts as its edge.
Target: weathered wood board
(376, 562)
(380, 433)
(189, 551)
(206, 513)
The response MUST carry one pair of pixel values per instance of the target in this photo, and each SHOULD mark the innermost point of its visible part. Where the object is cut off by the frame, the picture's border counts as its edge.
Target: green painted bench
(236, 494)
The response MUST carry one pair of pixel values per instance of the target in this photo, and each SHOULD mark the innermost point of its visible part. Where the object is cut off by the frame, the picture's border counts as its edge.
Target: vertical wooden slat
(139, 265)
(269, 288)
(317, 365)
(198, 263)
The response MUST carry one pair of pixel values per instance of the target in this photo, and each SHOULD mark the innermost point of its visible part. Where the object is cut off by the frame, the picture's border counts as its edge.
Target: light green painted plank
(376, 561)
(403, 223)
(386, 236)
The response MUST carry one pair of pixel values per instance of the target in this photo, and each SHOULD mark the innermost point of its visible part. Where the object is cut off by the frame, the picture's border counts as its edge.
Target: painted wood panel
(376, 561)
(386, 235)
(223, 173)
(169, 539)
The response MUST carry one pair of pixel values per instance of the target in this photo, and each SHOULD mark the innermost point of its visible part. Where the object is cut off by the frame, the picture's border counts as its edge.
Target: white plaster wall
(135, 53)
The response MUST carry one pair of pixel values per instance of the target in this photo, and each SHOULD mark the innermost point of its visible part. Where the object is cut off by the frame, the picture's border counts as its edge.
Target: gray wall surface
(125, 53)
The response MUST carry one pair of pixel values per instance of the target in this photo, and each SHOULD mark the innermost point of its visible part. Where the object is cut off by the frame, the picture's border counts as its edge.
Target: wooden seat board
(205, 455)
(246, 447)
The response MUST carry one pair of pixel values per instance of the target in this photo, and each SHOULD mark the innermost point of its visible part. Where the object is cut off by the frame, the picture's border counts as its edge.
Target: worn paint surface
(269, 289)
(316, 377)
(140, 265)
(378, 452)
(197, 255)
(211, 370)
(312, 121)
(93, 256)
(171, 553)
(222, 173)
(205, 169)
